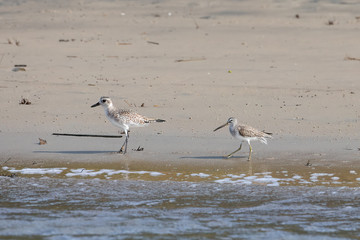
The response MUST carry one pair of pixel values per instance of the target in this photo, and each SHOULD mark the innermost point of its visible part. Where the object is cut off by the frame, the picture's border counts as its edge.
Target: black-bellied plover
(244, 133)
(123, 118)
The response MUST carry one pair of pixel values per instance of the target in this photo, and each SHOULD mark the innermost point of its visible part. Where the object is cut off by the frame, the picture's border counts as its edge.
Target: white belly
(235, 133)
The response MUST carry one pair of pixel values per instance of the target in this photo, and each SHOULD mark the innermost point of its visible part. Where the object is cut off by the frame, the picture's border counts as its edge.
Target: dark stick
(86, 135)
(150, 42)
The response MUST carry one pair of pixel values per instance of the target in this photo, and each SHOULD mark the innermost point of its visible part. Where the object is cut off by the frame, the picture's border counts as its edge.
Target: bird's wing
(132, 118)
(248, 131)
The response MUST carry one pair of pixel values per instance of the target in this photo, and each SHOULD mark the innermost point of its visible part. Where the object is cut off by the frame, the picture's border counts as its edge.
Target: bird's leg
(126, 142)
(124, 146)
(230, 155)
(250, 151)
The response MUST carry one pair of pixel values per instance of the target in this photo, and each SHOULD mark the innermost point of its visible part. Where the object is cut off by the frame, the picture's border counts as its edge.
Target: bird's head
(104, 101)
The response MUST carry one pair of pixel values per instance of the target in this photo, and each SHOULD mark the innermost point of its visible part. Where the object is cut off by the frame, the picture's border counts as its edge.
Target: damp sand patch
(274, 179)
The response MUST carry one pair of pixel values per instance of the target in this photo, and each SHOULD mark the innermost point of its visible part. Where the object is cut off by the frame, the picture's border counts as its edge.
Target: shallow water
(91, 208)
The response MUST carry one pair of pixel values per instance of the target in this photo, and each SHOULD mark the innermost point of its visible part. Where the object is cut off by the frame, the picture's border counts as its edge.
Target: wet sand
(192, 63)
(198, 163)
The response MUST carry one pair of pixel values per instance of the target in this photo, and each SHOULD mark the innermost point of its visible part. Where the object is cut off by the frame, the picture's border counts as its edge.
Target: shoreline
(192, 64)
(163, 153)
(288, 169)
(285, 161)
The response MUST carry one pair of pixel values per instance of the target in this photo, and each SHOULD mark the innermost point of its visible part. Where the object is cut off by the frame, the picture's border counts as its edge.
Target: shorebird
(123, 118)
(244, 133)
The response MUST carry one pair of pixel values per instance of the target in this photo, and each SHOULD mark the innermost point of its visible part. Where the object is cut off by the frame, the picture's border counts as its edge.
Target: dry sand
(291, 68)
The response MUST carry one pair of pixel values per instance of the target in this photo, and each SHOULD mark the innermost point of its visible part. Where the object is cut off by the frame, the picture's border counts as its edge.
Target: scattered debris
(24, 101)
(330, 22)
(19, 67)
(139, 149)
(190, 59)
(196, 24)
(4, 173)
(42, 141)
(130, 105)
(155, 43)
(67, 40)
(17, 43)
(352, 58)
(7, 160)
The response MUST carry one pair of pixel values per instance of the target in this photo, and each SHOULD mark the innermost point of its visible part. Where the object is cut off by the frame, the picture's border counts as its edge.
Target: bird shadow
(213, 157)
(77, 152)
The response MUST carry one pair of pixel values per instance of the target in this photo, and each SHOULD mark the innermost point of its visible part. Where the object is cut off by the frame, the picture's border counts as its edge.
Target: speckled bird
(123, 118)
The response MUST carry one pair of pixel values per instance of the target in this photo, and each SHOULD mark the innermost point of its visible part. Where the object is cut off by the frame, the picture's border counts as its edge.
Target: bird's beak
(221, 126)
(95, 105)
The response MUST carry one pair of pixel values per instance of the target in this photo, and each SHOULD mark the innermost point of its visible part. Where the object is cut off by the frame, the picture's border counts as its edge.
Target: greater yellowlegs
(244, 133)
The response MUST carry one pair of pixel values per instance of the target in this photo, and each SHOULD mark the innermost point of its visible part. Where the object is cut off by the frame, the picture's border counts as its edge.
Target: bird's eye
(104, 101)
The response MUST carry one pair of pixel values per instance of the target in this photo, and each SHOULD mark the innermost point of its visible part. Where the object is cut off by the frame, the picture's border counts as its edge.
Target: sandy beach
(287, 67)
(290, 68)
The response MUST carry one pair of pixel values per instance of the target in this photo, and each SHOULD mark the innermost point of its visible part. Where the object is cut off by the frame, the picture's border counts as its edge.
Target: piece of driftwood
(190, 60)
(151, 42)
(86, 135)
(352, 58)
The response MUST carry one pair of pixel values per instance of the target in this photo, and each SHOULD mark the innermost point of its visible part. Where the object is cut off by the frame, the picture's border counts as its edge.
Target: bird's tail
(159, 120)
(263, 140)
(268, 134)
